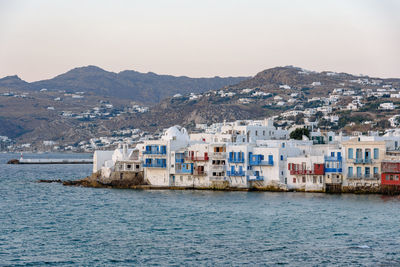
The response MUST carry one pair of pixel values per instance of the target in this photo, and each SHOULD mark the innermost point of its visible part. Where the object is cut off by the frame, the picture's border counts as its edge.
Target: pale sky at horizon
(41, 39)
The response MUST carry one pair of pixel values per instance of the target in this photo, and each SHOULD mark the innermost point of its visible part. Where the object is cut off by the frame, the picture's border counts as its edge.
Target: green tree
(319, 115)
(384, 124)
(299, 119)
(299, 132)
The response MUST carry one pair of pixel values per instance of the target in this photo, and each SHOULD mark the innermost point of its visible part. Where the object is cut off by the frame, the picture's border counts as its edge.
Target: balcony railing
(217, 178)
(236, 160)
(197, 158)
(218, 167)
(218, 155)
(390, 167)
(364, 176)
(334, 170)
(362, 161)
(261, 162)
(200, 173)
(331, 158)
(306, 172)
(235, 173)
(154, 152)
(255, 178)
(154, 165)
(184, 171)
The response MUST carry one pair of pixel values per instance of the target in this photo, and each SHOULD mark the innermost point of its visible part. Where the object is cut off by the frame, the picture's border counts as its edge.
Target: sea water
(56, 225)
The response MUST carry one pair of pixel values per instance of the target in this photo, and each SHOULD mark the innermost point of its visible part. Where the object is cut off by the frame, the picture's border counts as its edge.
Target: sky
(40, 39)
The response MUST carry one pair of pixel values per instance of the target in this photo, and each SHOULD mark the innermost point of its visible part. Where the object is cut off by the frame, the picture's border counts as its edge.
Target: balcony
(197, 158)
(218, 167)
(236, 160)
(261, 162)
(299, 169)
(199, 173)
(217, 178)
(218, 155)
(235, 173)
(334, 170)
(301, 172)
(330, 158)
(390, 167)
(184, 171)
(364, 176)
(155, 165)
(154, 152)
(255, 178)
(362, 161)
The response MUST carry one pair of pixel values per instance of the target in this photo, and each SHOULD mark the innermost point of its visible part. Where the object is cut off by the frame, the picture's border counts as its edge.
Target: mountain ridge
(141, 87)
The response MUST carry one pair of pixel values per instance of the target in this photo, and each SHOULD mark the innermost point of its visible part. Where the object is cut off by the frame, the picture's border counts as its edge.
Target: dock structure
(51, 161)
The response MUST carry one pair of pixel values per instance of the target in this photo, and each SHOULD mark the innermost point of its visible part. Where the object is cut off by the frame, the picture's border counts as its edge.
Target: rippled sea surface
(57, 225)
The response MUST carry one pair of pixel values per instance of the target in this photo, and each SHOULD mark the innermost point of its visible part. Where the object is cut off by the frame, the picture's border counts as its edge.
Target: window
(294, 180)
(375, 170)
(137, 166)
(283, 145)
(350, 172)
(314, 180)
(332, 154)
(281, 157)
(320, 179)
(304, 179)
(358, 171)
(350, 153)
(367, 153)
(128, 166)
(367, 171)
(358, 153)
(376, 153)
(387, 177)
(396, 177)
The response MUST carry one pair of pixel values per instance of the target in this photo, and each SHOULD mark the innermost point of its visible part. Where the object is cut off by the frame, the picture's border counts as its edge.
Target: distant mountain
(294, 76)
(13, 82)
(129, 84)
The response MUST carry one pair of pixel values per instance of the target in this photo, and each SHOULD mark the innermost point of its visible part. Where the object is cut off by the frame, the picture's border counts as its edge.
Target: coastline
(93, 181)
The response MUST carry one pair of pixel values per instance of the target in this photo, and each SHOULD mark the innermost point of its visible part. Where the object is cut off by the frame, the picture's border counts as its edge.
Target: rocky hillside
(129, 84)
(254, 98)
(268, 93)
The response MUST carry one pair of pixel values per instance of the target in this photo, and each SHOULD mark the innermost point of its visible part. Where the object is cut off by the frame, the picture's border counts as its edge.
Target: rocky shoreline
(137, 182)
